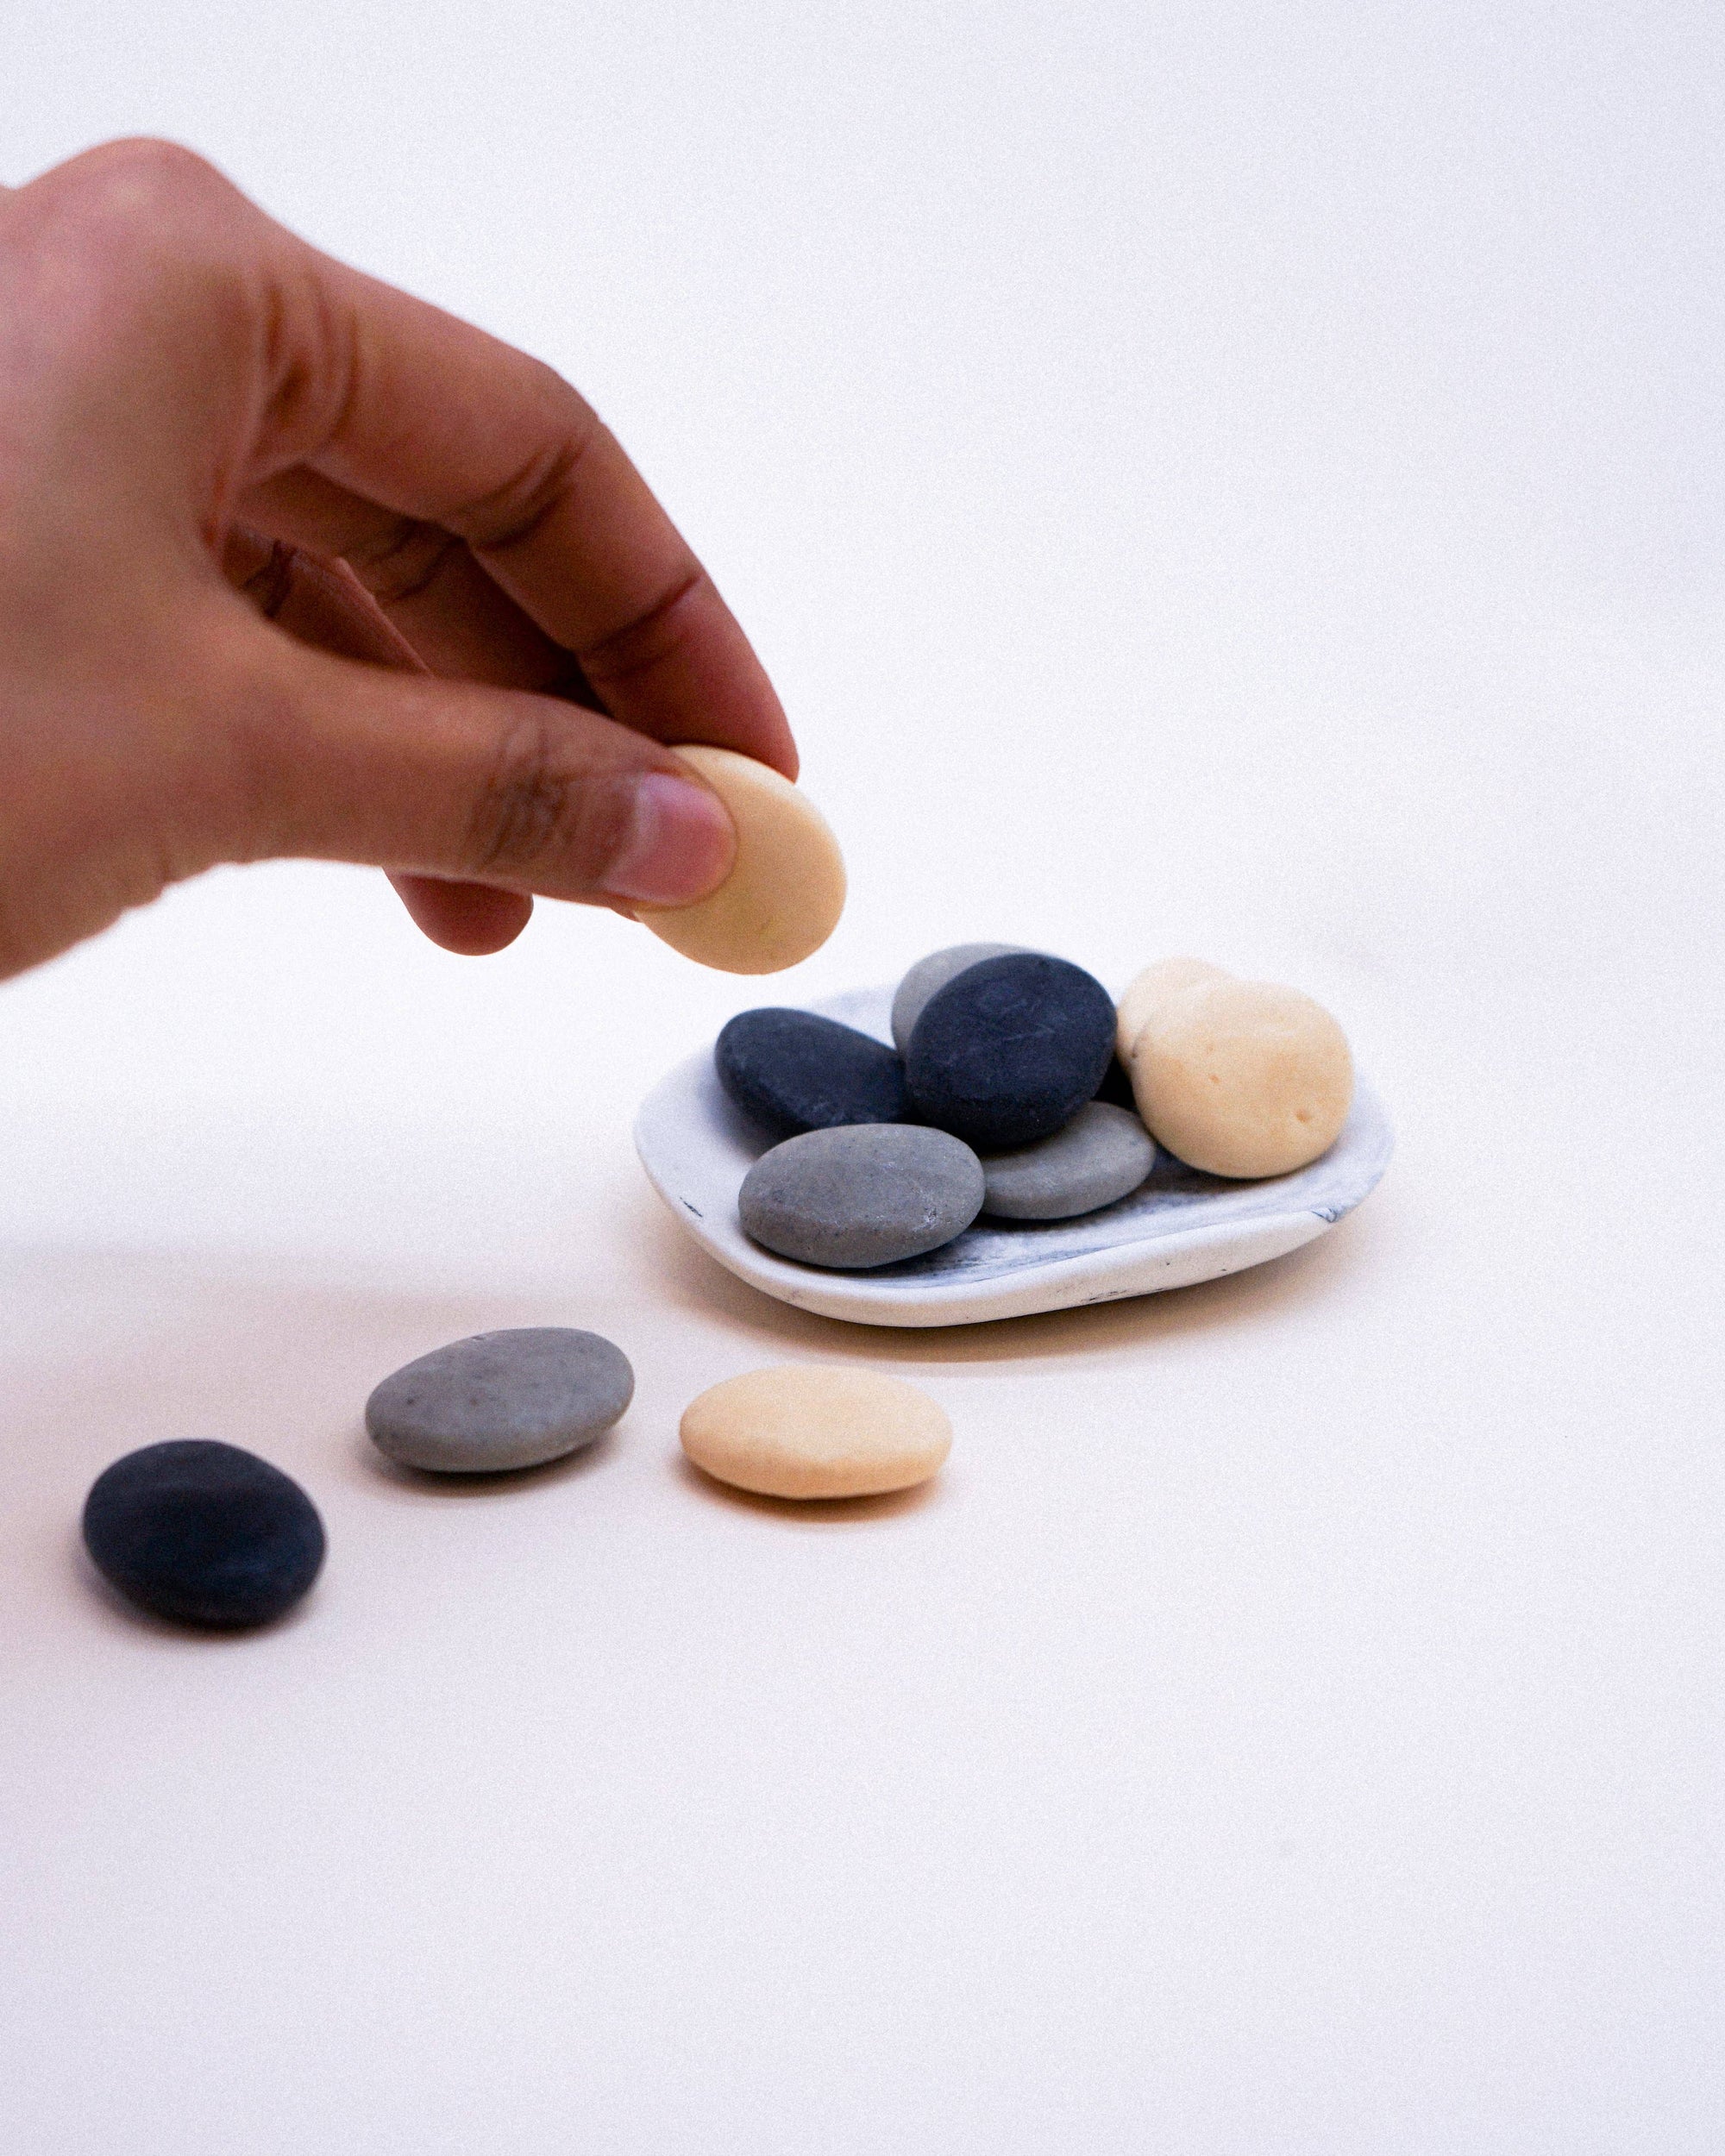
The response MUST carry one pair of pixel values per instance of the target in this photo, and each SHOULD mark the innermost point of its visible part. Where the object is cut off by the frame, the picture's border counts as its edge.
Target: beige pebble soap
(1167, 977)
(786, 889)
(1242, 1078)
(811, 1430)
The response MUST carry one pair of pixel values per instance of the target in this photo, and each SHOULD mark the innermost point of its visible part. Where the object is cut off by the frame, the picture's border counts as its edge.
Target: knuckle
(152, 160)
(523, 804)
(648, 640)
(539, 813)
(311, 352)
(140, 182)
(97, 242)
(405, 559)
(515, 510)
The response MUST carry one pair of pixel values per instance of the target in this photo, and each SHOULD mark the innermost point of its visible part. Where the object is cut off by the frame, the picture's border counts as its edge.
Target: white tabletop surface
(1243, 479)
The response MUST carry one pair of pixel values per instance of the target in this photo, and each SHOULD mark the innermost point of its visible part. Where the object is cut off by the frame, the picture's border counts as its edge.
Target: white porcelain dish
(1179, 1227)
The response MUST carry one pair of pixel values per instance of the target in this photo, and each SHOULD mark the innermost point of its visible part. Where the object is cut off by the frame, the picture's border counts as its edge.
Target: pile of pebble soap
(1016, 1087)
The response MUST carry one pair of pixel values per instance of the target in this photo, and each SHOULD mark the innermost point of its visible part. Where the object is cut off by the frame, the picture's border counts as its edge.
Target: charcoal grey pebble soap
(1103, 1153)
(1010, 1050)
(204, 1534)
(931, 974)
(793, 1071)
(501, 1400)
(863, 1196)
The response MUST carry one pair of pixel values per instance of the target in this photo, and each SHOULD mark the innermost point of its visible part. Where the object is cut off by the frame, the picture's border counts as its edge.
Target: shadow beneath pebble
(808, 1511)
(417, 1481)
(129, 1616)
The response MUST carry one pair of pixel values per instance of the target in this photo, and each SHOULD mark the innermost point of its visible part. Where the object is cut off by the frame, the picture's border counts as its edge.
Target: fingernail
(679, 845)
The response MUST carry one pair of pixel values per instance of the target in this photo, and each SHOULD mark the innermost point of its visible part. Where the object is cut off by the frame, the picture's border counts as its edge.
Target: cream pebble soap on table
(811, 1431)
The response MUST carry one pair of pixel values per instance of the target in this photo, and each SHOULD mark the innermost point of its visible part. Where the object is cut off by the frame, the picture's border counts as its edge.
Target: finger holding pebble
(786, 889)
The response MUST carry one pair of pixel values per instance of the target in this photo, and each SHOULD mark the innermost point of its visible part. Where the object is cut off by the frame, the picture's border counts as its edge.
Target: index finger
(432, 417)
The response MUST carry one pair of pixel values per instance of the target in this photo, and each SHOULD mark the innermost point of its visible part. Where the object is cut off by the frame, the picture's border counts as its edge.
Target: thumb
(341, 761)
(319, 600)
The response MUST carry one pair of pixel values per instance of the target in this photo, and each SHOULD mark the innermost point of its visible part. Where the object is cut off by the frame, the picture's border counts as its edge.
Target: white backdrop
(1241, 479)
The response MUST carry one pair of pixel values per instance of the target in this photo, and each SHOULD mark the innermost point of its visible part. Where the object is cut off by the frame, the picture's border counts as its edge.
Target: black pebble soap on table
(204, 1534)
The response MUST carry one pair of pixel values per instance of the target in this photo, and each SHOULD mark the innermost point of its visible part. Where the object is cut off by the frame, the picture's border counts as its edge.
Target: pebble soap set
(995, 1135)
(206, 1536)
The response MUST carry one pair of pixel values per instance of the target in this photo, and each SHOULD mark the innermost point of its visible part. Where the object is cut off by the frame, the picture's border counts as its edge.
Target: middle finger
(460, 621)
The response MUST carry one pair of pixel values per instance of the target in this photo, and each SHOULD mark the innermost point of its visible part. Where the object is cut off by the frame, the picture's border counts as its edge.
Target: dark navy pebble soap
(1010, 1051)
(203, 1533)
(792, 1071)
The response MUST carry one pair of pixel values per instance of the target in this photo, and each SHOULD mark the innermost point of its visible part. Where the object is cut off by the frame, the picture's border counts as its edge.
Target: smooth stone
(1243, 1078)
(793, 1071)
(866, 1194)
(1103, 1153)
(812, 1432)
(786, 889)
(501, 1400)
(204, 1534)
(1152, 987)
(1010, 1050)
(930, 975)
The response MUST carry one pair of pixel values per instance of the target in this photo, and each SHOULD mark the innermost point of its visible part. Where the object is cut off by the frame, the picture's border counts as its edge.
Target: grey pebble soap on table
(1179, 1227)
(501, 1400)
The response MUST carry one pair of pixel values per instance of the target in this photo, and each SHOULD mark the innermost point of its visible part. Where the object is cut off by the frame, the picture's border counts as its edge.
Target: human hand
(188, 396)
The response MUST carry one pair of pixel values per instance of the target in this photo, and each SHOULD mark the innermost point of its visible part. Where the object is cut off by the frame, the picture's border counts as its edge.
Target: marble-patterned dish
(1179, 1227)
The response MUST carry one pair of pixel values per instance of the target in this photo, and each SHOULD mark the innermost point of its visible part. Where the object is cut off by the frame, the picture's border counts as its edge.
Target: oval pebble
(503, 1399)
(807, 1432)
(1243, 1078)
(930, 975)
(864, 1195)
(794, 1071)
(1104, 1153)
(1010, 1050)
(786, 889)
(204, 1534)
(1153, 986)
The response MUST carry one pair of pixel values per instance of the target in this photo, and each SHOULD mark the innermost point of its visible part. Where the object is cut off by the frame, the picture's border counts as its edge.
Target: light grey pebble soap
(861, 1195)
(1103, 1153)
(930, 975)
(501, 1400)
